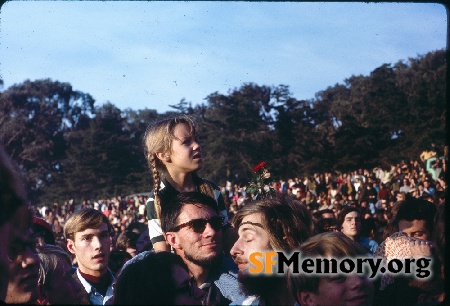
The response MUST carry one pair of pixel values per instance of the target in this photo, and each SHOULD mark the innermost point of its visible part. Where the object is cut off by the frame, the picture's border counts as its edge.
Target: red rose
(259, 166)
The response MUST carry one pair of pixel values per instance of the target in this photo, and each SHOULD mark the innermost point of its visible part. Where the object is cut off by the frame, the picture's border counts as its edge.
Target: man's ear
(306, 298)
(165, 157)
(71, 246)
(173, 240)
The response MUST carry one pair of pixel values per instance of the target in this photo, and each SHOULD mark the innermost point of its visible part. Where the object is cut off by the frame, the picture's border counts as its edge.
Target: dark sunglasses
(199, 225)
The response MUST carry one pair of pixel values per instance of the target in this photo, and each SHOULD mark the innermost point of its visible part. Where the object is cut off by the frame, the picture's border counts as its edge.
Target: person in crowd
(143, 243)
(56, 284)
(117, 260)
(326, 214)
(42, 232)
(15, 218)
(332, 290)
(326, 225)
(404, 290)
(193, 227)
(414, 218)
(410, 234)
(87, 232)
(406, 187)
(349, 223)
(157, 279)
(278, 224)
(126, 241)
(400, 196)
(23, 271)
(174, 156)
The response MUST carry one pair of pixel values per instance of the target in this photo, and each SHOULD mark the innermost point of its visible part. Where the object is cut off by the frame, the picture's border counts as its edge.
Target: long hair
(50, 257)
(287, 222)
(158, 139)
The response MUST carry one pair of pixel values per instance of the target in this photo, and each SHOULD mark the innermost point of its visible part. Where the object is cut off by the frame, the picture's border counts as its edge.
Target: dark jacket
(82, 295)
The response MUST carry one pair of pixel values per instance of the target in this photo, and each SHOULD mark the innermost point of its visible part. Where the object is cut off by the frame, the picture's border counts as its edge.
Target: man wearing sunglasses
(193, 227)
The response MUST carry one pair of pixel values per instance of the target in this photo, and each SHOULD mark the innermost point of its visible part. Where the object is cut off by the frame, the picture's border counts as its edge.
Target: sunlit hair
(287, 222)
(331, 244)
(158, 139)
(84, 219)
(50, 257)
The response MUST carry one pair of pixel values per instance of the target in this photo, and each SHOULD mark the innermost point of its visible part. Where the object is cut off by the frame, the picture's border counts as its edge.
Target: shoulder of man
(227, 281)
(82, 297)
(139, 257)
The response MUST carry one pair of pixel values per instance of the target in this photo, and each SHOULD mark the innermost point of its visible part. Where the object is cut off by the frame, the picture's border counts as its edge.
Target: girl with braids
(174, 156)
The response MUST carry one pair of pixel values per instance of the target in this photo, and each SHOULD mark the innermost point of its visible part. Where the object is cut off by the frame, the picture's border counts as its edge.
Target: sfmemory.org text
(278, 262)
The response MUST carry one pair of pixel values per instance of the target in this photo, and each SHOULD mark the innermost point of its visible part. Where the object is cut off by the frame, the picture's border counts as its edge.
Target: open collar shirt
(94, 296)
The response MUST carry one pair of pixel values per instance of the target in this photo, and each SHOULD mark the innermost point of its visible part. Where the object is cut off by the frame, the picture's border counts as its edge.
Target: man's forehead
(252, 222)
(196, 211)
(352, 214)
(413, 225)
(103, 227)
(255, 217)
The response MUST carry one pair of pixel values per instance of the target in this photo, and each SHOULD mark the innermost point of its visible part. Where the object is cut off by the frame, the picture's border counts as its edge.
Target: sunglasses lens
(216, 223)
(198, 225)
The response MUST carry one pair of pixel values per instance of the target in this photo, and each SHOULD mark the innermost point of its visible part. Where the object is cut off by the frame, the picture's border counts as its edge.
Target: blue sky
(152, 54)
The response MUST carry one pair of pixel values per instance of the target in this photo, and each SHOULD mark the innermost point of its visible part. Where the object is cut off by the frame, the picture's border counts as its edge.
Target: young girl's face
(186, 155)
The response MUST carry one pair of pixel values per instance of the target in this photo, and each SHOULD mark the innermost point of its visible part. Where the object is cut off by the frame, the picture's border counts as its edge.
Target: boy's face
(340, 290)
(91, 248)
(351, 224)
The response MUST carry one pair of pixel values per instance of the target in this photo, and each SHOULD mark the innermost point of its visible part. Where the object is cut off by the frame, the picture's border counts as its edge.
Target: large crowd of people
(192, 242)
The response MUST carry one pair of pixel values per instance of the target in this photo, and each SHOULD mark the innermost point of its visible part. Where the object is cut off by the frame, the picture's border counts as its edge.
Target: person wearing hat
(42, 232)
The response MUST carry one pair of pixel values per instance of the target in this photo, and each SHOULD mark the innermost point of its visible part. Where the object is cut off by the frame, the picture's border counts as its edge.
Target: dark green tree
(34, 116)
(235, 131)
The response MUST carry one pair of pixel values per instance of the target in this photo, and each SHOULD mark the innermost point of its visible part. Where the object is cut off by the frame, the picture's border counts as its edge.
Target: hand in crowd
(420, 248)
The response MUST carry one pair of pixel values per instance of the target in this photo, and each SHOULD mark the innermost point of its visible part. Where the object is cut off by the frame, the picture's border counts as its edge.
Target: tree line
(67, 147)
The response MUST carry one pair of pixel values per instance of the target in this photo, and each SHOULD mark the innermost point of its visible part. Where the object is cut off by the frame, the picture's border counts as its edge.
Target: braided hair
(158, 139)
